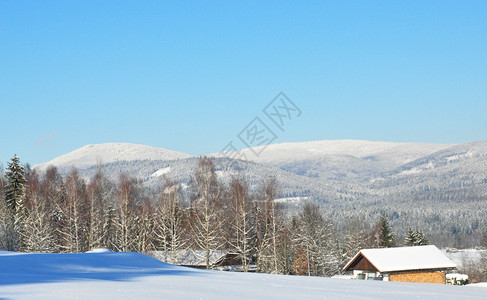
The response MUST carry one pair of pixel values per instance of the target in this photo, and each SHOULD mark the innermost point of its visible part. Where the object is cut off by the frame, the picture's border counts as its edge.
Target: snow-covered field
(110, 275)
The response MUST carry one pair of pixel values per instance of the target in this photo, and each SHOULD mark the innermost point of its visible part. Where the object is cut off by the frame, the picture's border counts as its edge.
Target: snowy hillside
(153, 172)
(465, 155)
(341, 159)
(394, 154)
(91, 155)
(122, 275)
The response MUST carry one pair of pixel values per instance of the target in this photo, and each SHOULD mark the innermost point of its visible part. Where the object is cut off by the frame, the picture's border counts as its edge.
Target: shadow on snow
(20, 268)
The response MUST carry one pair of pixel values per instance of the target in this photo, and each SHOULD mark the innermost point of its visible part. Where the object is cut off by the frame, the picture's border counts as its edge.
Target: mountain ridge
(97, 154)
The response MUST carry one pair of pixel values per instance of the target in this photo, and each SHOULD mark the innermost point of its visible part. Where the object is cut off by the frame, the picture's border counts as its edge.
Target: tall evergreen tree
(410, 237)
(384, 237)
(415, 238)
(421, 238)
(14, 201)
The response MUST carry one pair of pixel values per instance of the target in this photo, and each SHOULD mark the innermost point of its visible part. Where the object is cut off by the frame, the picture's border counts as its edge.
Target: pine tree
(410, 238)
(384, 237)
(109, 227)
(421, 238)
(14, 201)
(415, 238)
(53, 194)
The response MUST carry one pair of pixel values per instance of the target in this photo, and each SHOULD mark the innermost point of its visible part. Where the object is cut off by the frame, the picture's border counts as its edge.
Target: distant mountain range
(412, 180)
(313, 169)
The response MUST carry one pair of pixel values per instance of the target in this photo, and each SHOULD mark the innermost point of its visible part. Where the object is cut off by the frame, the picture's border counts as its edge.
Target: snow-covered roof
(405, 258)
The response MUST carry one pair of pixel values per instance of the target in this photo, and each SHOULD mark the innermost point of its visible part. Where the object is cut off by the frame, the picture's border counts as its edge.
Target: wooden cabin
(223, 260)
(408, 264)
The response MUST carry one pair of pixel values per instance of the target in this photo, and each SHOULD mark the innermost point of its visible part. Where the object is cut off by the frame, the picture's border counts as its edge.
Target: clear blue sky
(189, 76)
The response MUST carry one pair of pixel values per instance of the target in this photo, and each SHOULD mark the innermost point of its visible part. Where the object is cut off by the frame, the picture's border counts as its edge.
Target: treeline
(53, 213)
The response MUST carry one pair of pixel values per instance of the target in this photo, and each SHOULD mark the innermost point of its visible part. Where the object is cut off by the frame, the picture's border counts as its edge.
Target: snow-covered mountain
(325, 170)
(350, 178)
(99, 154)
(387, 153)
(312, 166)
(342, 159)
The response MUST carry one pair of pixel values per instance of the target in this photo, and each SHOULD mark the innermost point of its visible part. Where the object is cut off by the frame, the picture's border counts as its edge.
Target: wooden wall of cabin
(427, 277)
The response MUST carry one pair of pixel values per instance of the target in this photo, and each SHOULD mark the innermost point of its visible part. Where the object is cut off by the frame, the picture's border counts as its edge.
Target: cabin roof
(402, 259)
(188, 257)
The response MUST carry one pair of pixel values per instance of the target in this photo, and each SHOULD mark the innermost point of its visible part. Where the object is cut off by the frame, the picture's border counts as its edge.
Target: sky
(192, 76)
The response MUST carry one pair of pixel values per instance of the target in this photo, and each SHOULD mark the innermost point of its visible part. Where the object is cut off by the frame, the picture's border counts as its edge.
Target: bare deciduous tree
(74, 211)
(127, 193)
(268, 244)
(314, 236)
(38, 234)
(240, 240)
(206, 223)
(169, 220)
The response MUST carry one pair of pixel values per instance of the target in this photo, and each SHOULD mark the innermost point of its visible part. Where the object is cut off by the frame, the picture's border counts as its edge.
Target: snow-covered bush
(457, 279)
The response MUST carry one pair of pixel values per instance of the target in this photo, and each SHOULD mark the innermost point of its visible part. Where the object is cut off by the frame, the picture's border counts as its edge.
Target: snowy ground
(107, 275)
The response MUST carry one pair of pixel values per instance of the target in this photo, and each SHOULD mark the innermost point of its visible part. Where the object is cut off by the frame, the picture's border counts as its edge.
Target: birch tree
(144, 227)
(169, 220)
(315, 241)
(241, 224)
(125, 222)
(99, 199)
(206, 226)
(38, 235)
(74, 210)
(268, 259)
